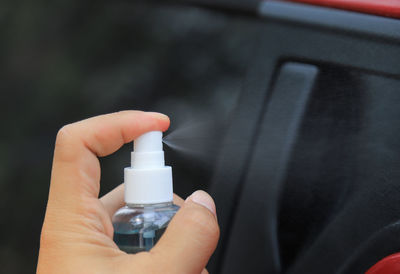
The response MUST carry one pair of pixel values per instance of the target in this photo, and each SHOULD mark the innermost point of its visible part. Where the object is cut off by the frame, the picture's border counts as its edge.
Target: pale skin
(77, 233)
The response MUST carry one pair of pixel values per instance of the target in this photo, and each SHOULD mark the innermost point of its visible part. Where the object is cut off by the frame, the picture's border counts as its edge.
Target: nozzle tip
(148, 142)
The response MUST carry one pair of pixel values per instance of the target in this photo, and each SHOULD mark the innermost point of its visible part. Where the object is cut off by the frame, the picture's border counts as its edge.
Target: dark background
(63, 61)
(288, 117)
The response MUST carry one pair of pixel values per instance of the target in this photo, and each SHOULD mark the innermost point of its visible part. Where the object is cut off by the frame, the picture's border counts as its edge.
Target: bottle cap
(148, 180)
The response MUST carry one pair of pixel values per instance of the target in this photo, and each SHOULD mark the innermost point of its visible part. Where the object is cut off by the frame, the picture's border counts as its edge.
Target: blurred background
(286, 113)
(63, 61)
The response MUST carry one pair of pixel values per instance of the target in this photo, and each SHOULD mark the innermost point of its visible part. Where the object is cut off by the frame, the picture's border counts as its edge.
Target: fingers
(191, 237)
(114, 200)
(178, 200)
(76, 169)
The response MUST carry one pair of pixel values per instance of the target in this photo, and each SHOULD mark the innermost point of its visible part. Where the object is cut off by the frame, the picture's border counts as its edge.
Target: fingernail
(202, 198)
(158, 115)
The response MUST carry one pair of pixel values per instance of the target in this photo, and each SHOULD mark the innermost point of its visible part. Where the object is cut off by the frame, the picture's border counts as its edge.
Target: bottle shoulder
(135, 210)
(132, 219)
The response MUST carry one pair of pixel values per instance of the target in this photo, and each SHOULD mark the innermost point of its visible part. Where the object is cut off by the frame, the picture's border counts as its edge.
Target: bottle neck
(158, 205)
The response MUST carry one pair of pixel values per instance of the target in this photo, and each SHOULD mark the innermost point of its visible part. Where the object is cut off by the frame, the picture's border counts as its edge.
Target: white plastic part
(148, 180)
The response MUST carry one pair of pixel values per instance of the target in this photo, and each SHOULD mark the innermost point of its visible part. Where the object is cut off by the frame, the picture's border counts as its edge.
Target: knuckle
(94, 217)
(64, 146)
(47, 240)
(63, 134)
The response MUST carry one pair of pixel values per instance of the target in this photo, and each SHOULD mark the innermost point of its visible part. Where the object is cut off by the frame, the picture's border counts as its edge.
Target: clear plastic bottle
(138, 227)
(148, 197)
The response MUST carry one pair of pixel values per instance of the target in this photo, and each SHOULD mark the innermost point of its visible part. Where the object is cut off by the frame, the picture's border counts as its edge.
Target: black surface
(232, 6)
(254, 226)
(338, 208)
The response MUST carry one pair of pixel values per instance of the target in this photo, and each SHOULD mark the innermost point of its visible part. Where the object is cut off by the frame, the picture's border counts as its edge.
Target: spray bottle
(148, 197)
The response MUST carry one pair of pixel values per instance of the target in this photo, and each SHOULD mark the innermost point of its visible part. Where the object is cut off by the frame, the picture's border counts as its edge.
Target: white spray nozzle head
(148, 151)
(148, 180)
(148, 142)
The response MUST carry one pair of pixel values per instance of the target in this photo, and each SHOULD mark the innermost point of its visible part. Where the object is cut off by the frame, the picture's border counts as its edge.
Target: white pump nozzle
(148, 180)
(148, 151)
(148, 142)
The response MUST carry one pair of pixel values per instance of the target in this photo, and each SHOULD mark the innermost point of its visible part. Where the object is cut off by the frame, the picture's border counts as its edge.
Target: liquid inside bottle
(138, 227)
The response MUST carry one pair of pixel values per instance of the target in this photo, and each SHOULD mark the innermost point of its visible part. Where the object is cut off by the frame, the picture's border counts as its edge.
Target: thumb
(191, 237)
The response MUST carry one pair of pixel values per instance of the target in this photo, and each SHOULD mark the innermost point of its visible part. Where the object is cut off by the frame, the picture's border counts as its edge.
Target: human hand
(77, 233)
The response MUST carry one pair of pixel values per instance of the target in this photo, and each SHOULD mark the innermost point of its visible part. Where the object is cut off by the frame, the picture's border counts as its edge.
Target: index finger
(76, 168)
